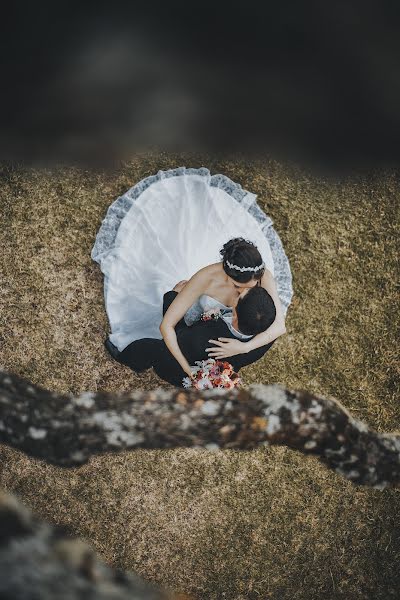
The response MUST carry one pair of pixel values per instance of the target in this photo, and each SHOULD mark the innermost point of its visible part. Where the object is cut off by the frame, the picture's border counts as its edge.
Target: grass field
(232, 525)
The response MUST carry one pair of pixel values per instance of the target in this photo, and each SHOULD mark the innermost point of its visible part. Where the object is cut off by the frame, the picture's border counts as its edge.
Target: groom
(255, 312)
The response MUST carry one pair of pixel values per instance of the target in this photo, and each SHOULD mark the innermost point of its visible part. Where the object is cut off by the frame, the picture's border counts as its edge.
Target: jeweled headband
(245, 268)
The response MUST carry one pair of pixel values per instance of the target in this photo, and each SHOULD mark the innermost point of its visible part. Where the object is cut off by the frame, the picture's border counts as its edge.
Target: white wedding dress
(163, 230)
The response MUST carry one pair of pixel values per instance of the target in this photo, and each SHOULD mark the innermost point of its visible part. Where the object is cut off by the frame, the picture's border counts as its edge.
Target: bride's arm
(192, 290)
(278, 327)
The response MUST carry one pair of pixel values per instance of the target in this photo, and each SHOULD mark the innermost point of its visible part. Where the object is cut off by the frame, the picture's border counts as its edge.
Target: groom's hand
(180, 285)
(227, 347)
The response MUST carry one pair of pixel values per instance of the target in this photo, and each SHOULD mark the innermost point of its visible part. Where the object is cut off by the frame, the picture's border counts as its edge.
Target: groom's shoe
(113, 350)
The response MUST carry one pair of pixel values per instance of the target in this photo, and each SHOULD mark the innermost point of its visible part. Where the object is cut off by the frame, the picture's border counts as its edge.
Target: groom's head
(255, 311)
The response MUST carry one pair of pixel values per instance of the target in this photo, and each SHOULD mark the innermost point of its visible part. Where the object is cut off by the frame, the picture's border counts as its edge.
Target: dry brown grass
(230, 525)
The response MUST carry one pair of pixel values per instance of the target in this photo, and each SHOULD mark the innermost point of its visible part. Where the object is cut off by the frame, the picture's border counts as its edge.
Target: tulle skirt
(164, 229)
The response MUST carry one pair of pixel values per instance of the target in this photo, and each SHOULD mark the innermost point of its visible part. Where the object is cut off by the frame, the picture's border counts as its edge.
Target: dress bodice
(208, 302)
(205, 303)
(202, 304)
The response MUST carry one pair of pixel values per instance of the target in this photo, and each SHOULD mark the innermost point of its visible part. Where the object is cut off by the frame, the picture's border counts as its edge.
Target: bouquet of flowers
(212, 373)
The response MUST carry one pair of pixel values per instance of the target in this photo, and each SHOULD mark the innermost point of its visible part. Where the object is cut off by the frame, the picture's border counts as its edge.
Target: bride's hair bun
(243, 254)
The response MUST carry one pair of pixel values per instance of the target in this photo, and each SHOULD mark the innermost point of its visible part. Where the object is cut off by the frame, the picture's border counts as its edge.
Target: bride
(174, 227)
(222, 284)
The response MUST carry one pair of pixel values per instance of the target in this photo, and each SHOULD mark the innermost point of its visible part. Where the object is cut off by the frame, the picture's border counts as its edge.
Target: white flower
(187, 382)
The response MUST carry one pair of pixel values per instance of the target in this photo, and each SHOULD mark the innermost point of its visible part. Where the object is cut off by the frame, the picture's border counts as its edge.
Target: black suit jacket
(193, 341)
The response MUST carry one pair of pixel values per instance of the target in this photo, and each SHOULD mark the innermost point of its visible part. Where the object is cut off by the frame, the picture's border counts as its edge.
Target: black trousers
(142, 354)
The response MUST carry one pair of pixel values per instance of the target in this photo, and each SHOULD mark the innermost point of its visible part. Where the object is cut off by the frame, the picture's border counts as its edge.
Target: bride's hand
(190, 374)
(180, 285)
(226, 347)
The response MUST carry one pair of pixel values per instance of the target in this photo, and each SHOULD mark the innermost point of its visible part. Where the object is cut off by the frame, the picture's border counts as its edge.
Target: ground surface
(232, 525)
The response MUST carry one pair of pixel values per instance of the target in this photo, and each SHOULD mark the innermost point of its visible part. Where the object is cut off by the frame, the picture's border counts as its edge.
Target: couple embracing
(229, 309)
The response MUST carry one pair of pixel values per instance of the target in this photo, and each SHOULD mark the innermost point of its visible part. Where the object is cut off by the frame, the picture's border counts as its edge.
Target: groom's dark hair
(255, 311)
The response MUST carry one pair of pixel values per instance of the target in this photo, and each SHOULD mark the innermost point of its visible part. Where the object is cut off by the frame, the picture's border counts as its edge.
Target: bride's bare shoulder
(211, 270)
(215, 268)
